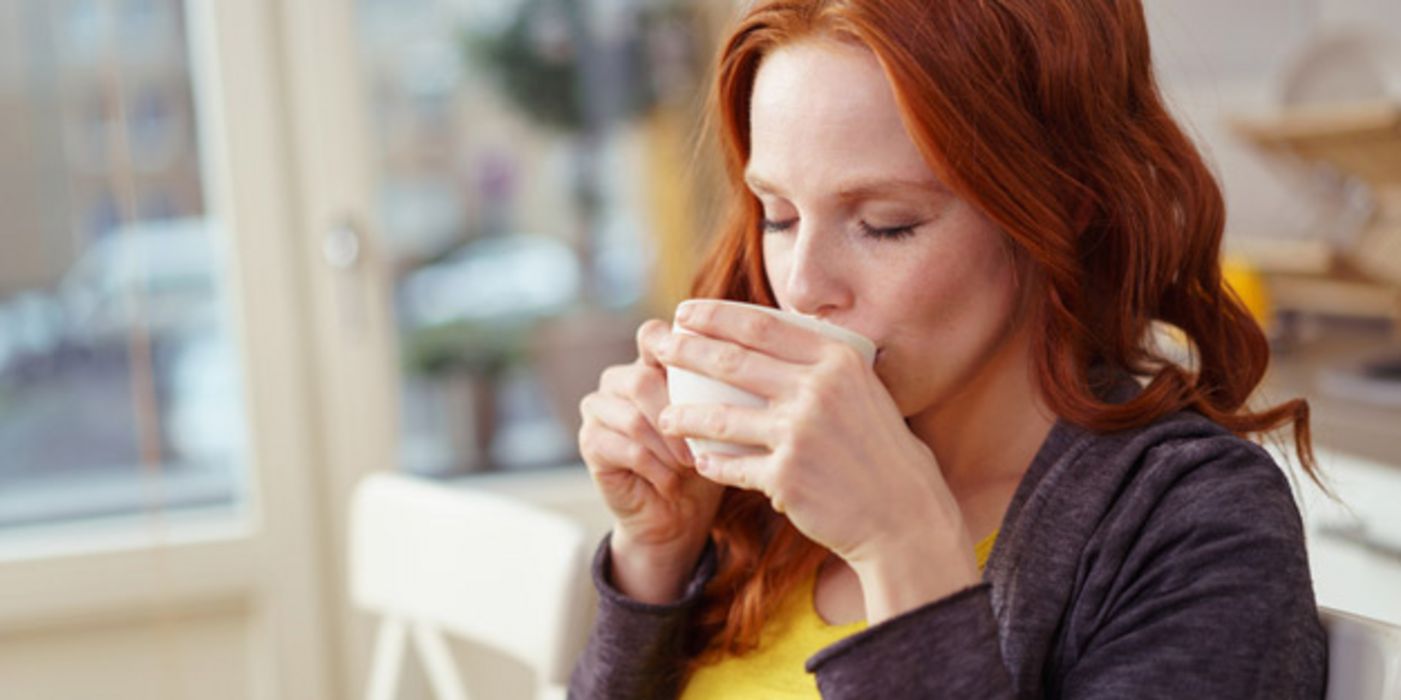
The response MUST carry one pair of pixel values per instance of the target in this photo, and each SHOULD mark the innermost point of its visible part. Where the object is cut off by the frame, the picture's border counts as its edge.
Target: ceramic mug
(687, 387)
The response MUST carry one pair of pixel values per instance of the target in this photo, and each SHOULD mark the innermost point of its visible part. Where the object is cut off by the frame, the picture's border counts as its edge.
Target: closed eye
(886, 233)
(889, 233)
(771, 226)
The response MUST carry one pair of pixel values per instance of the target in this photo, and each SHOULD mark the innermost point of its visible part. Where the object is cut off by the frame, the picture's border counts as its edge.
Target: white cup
(686, 387)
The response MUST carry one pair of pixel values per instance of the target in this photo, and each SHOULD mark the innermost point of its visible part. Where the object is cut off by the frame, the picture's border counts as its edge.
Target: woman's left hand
(840, 461)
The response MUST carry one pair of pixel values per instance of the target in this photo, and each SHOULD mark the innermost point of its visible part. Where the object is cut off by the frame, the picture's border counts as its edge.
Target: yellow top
(792, 634)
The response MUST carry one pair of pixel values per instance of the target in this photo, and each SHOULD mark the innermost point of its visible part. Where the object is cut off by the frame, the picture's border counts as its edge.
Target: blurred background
(253, 251)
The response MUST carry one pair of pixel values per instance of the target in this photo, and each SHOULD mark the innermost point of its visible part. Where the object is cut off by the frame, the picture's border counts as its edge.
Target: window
(119, 389)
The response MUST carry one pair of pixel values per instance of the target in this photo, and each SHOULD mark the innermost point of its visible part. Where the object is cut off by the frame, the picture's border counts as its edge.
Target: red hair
(1045, 116)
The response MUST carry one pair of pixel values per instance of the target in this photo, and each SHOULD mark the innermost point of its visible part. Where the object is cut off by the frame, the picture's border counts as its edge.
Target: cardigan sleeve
(636, 649)
(1198, 586)
(1213, 599)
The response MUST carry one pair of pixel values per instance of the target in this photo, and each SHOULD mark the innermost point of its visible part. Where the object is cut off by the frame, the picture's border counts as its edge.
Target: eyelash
(890, 233)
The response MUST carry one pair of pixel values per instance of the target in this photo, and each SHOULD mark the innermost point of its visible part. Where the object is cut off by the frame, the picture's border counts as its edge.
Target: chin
(897, 390)
(910, 392)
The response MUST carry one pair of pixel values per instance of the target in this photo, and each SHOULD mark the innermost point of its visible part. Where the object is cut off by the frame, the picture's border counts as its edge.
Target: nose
(816, 283)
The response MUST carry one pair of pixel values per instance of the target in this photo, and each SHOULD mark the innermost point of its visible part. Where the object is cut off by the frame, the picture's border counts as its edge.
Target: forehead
(824, 112)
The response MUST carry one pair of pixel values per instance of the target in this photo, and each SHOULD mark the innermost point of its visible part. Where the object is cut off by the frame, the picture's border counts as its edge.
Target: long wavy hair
(1046, 117)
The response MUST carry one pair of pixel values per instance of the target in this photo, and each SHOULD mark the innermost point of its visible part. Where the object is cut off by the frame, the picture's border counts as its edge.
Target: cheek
(964, 285)
(775, 263)
(958, 310)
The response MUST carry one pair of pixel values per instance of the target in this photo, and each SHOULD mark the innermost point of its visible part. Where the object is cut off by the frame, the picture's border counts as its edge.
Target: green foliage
(537, 63)
(466, 347)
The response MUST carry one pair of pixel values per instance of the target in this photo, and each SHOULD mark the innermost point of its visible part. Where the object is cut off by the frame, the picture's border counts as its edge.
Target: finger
(612, 449)
(649, 334)
(740, 471)
(729, 362)
(645, 387)
(754, 329)
(720, 422)
(621, 416)
(651, 397)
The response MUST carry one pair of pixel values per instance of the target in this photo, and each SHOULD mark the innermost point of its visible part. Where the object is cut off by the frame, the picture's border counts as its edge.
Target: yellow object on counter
(1250, 286)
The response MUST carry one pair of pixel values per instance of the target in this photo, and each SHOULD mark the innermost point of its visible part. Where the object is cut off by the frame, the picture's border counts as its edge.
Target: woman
(994, 193)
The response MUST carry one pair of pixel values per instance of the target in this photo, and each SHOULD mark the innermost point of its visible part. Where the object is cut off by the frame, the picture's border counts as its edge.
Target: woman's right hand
(663, 508)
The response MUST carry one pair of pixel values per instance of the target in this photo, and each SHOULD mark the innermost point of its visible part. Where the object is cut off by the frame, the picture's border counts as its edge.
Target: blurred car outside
(157, 280)
(32, 331)
(157, 276)
(500, 279)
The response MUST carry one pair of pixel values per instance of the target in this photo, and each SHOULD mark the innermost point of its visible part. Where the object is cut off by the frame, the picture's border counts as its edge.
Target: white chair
(1364, 657)
(434, 560)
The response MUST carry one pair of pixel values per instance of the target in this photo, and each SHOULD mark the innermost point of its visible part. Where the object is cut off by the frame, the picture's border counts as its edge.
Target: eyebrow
(858, 189)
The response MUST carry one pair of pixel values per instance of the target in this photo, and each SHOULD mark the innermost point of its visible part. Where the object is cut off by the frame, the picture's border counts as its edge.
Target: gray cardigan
(1166, 561)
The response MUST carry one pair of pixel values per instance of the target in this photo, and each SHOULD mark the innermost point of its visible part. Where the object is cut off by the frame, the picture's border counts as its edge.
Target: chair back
(1364, 657)
(473, 564)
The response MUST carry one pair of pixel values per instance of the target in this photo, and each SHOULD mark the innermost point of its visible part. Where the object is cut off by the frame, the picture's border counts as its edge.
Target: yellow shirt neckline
(791, 635)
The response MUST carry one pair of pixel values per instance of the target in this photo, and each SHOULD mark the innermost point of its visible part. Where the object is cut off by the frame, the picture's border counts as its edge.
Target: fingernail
(664, 421)
(683, 312)
(703, 463)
